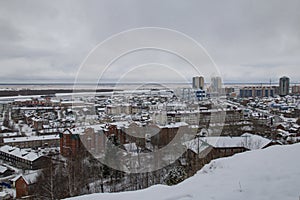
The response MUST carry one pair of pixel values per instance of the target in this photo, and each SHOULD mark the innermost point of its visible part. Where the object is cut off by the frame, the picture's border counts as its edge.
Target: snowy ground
(272, 173)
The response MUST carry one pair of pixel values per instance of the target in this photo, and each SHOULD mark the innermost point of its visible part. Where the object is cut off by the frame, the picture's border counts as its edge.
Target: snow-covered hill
(272, 173)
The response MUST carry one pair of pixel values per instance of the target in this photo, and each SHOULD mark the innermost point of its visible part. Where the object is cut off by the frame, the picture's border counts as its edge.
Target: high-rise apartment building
(198, 82)
(216, 84)
(284, 86)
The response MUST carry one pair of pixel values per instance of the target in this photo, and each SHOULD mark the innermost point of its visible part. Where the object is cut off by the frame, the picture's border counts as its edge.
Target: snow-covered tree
(175, 176)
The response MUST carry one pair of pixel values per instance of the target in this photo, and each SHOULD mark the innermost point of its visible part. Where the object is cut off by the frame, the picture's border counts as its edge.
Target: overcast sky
(250, 41)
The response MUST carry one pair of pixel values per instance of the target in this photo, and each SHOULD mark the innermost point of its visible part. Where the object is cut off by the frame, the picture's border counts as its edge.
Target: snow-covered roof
(9, 134)
(46, 126)
(121, 123)
(196, 145)
(183, 112)
(296, 126)
(80, 130)
(30, 138)
(36, 119)
(292, 120)
(2, 169)
(22, 100)
(4, 195)
(174, 125)
(29, 178)
(20, 153)
(77, 130)
(283, 133)
(131, 148)
(255, 141)
(35, 108)
(247, 140)
(224, 141)
(71, 102)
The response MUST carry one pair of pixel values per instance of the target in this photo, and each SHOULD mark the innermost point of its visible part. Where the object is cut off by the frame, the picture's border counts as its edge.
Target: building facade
(70, 143)
(216, 84)
(258, 91)
(296, 89)
(284, 86)
(23, 158)
(198, 82)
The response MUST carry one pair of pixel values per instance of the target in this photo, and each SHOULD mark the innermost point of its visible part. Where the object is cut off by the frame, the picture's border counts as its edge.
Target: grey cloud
(49, 39)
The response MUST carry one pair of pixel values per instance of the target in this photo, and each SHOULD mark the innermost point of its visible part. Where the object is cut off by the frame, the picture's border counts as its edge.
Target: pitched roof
(196, 145)
(28, 178)
(247, 140)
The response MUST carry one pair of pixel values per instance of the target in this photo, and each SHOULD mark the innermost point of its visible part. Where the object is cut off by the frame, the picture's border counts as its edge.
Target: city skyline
(136, 99)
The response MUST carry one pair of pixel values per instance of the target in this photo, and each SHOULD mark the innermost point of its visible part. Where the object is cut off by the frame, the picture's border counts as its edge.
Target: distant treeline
(4, 93)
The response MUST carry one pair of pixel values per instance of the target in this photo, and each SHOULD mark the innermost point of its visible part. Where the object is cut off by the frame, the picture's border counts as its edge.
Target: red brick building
(70, 142)
(77, 140)
(24, 184)
(21, 187)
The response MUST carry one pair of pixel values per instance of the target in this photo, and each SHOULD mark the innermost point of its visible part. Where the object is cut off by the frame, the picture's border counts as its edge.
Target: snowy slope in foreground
(272, 173)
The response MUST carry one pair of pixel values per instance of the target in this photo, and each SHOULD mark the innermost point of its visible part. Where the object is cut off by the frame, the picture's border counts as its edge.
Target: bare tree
(51, 183)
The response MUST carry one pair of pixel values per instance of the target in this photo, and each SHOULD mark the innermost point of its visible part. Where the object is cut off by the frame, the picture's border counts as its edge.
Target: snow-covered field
(268, 174)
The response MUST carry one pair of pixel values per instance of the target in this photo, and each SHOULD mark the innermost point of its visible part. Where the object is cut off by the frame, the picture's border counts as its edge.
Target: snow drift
(272, 173)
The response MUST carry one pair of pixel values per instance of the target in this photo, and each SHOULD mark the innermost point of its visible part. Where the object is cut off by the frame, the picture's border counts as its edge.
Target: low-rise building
(27, 159)
(24, 184)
